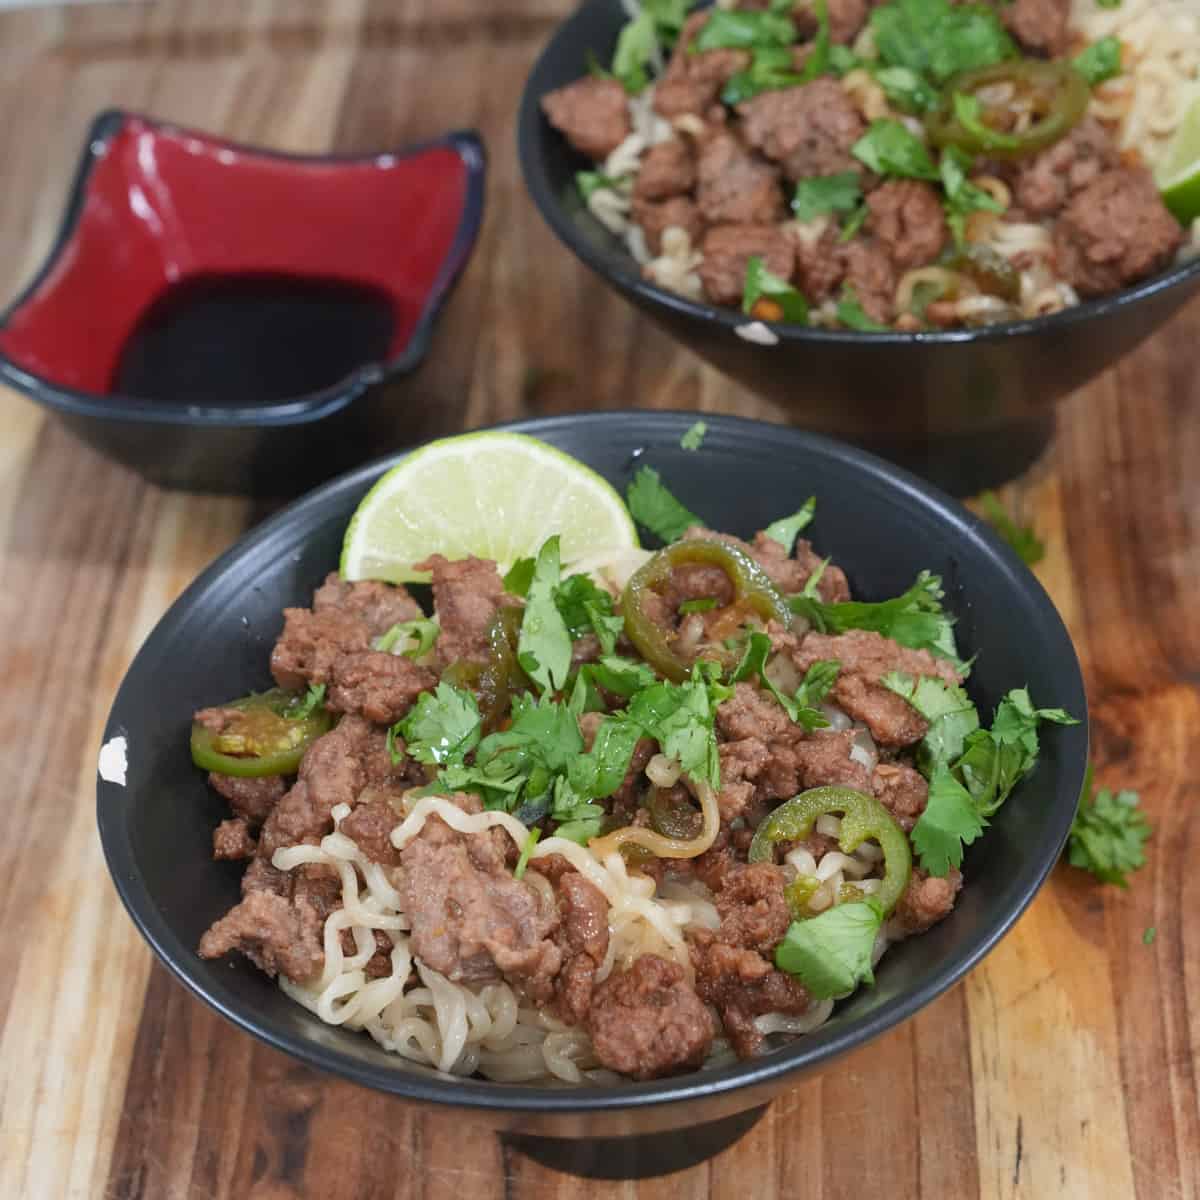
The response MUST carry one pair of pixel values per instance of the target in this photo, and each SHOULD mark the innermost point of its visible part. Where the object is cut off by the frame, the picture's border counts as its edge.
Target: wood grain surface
(1066, 1066)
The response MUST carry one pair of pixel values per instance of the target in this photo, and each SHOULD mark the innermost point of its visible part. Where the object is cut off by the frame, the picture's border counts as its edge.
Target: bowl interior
(880, 524)
(197, 274)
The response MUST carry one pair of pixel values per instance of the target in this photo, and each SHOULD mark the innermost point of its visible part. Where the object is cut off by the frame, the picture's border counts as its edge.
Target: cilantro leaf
(734, 29)
(680, 718)
(843, 60)
(770, 69)
(914, 619)
(949, 822)
(817, 62)
(852, 314)
(1148, 935)
(621, 676)
(937, 39)
(312, 700)
(762, 286)
(906, 89)
(1100, 61)
(754, 664)
(889, 149)
(1109, 834)
(653, 507)
(823, 194)
(701, 605)
(831, 953)
(962, 196)
(602, 769)
(1022, 538)
(1108, 3)
(693, 439)
(416, 638)
(637, 45)
(544, 644)
(587, 608)
(530, 842)
(951, 716)
(519, 577)
(817, 682)
(592, 181)
(787, 529)
(442, 727)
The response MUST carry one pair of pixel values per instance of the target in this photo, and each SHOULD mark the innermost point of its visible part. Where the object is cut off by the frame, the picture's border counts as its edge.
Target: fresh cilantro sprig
(915, 618)
(442, 727)
(763, 285)
(588, 182)
(1100, 61)
(693, 437)
(786, 530)
(735, 29)
(753, 665)
(906, 89)
(530, 843)
(313, 699)
(1109, 834)
(821, 195)
(889, 149)
(1022, 538)
(770, 69)
(831, 953)
(937, 39)
(544, 644)
(653, 507)
(962, 196)
(586, 608)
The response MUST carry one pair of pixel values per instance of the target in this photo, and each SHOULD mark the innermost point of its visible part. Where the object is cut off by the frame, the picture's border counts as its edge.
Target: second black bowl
(966, 408)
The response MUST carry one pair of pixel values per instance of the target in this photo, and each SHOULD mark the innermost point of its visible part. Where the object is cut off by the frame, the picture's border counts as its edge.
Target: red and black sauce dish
(966, 407)
(156, 819)
(226, 318)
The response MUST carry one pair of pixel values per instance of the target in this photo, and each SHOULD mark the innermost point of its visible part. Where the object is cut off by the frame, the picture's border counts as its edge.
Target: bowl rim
(806, 1053)
(622, 270)
(295, 410)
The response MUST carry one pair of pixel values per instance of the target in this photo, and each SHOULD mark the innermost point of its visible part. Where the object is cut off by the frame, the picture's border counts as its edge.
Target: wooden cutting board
(1064, 1067)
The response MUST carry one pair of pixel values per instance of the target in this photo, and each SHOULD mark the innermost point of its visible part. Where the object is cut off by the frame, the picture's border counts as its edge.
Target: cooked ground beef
(866, 657)
(467, 595)
(656, 218)
(582, 936)
(742, 985)
(382, 687)
(647, 1022)
(668, 169)
(692, 82)
(728, 248)
(1039, 25)
(233, 839)
(379, 605)
(275, 933)
(370, 827)
(735, 188)
(1045, 182)
(902, 791)
(871, 276)
(250, 798)
(336, 769)
(808, 129)
(926, 900)
(754, 911)
(311, 642)
(592, 114)
(471, 920)
(908, 219)
(1115, 231)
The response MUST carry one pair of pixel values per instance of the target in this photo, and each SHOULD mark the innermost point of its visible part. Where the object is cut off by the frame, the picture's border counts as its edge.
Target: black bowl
(965, 408)
(882, 525)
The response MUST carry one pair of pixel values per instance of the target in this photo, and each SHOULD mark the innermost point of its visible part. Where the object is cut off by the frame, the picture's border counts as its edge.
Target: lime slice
(1178, 173)
(491, 495)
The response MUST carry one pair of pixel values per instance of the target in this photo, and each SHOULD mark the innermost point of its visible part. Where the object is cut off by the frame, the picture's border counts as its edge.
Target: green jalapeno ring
(270, 743)
(751, 586)
(500, 676)
(863, 817)
(1070, 95)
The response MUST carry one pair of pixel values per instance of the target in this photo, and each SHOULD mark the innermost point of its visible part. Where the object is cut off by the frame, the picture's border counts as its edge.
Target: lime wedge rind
(492, 495)
(1178, 171)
